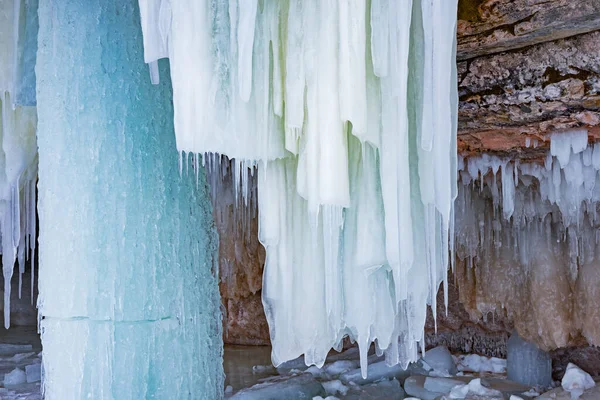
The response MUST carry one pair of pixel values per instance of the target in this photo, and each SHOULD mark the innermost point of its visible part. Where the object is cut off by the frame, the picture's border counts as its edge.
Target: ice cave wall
(128, 276)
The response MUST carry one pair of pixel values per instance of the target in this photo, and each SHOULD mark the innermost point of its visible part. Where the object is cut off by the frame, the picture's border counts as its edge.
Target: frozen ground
(250, 375)
(439, 376)
(20, 364)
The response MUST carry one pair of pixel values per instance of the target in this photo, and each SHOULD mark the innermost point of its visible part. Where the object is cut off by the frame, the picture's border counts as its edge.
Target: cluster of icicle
(348, 110)
(528, 237)
(18, 148)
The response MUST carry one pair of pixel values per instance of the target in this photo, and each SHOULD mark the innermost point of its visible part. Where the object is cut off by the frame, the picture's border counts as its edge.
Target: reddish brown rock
(493, 26)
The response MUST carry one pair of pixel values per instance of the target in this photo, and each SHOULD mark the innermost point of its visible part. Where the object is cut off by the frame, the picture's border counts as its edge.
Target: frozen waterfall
(348, 110)
(127, 279)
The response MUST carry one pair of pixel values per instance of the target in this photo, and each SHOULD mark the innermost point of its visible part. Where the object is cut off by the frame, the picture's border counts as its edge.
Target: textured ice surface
(34, 373)
(18, 159)
(538, 263)
(15, 377)
(128, 290)
(576, 381)
(477, 363)
(441, 361)
(527, 363)
(303, 386)
(350, 115)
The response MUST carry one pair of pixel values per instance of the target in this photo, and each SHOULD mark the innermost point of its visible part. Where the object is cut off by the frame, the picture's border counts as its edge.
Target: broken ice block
(576, 381)
(527, 363)
(33, 373)
(440, 359)
(15, 377)
(298, 387)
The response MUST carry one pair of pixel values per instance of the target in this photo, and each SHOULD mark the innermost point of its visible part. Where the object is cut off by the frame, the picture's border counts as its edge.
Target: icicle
(348, 109)
(18, 148)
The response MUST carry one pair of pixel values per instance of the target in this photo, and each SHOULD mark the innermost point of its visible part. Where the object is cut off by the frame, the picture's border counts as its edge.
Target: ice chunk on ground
(441, 360)
(415, 386)
(527, 363)
(334, 387)
(382, 390)
(477, 363)
(576, 381)
(442, 385)
(340, 366)
(15, 377)
(375, 372)
(475, 387)
(303, 386)
(34, 373)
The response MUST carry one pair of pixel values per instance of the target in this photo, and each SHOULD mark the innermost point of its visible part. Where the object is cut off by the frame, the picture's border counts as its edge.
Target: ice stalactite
(128, 288)
(18, 148)
(527, 237)
(348, 109)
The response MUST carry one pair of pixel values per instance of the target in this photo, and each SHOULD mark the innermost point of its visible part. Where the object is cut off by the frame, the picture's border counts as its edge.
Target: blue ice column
(128, 286)
(26, 53)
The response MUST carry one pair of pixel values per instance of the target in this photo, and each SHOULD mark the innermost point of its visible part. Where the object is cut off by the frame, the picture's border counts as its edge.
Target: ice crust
(18, 148)
(527, 240)
(348, 110)
(127, 280)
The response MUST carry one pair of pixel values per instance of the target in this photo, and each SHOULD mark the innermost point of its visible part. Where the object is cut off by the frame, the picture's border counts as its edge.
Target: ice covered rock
(561, 394)
(506, 386)
(477, 363)
(383, 390)
(443, 385)
(339, 367)
(15, 377)
(303, 386)
(326, 398)
(441, 361)
(334, 387)
(429, 388)
(527, 363)
(34, 373)
(375, 372)
(576, 381)
(476, 388)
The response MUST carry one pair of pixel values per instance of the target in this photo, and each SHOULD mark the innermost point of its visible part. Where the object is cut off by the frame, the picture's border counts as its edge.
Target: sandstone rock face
(526, 68)
(493, 26)
(241, 257)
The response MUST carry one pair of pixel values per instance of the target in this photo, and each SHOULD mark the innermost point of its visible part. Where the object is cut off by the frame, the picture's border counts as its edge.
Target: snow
(576, 381)
(478, 363)
(353, 139)
(335, 387)
(18, 149)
